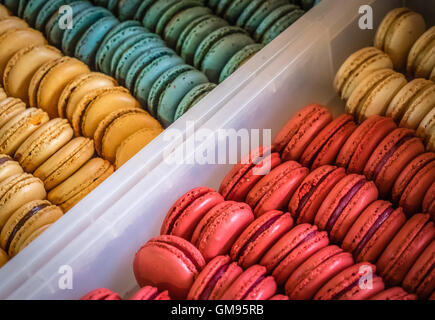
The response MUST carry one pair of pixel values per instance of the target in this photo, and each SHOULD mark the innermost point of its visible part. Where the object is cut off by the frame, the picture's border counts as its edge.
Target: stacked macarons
(145, 293)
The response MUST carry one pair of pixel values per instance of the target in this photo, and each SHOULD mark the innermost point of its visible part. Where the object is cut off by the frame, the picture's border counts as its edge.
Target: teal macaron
(142, 9)
(222, 6)
(187, 29)
(31, 11)
(11, 5)
(238, 59)
(155, 11)
(193, 97)
(281, 25)
(262, 12)
(248, 12)
(234, 10)
(212, 4)
(91, 40)
(173, 11)
(127, 9)
(21, 6)
(47, 10)
(149, 74)
(175, 91)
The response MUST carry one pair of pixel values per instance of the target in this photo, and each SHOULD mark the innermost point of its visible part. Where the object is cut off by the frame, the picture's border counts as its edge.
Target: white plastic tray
(99, 237)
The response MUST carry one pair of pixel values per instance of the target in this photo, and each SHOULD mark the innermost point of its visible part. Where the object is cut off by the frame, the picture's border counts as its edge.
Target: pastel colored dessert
(357, 67)
(193, 97)
(220, 227)
(281, 25)
(183, 263)
(390, 35)
(394, 293)
(426, 130)
(405, 248)
(8, 167)
(373, 230)
(150, 293)
(185, 214)
(420, 62)
(252, 284)
(11, 23)
(316, 271)
(48, 9)
(4, 12)
(101, 294)
(358, 282)
(358, 148)
(429, 201)
(3, 258)
(214, 279)
(259, 236)
(289, 252)
(9, 108)
(127, 9)
(390, 157)
(324, 148)
(343, 205)
(274, 190)
(31, 9)
(313, 190)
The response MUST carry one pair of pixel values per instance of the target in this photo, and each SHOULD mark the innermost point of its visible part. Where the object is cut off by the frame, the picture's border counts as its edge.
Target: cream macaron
(12, 23)
(426, 130)
(9, 108)
(421, 58)
(8, 167)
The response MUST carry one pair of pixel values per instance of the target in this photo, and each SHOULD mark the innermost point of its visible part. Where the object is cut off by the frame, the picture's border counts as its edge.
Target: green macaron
(127, 9)
(262, 12)
(212, 4)
(47, 10)
(155, 11)
(271, 18)
(172, 11)
(142, 9)
(193, 97)
(187, 29)
(234, 10)
(281, 25)
(248, 12)
(31, 11)
(222, 6)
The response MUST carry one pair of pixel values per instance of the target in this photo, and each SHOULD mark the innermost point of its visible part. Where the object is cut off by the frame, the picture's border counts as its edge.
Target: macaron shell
(419, 47)
(8, 167)
(154, 12)
(12, 23)
(261, 13)
(195, 95)
(36, 81)
(386, 24)
(429, 201)
(9, 108)
(101, 294)
(31, 9)
(150, 293)
(426, 128)
(281, 25)
(419, 108)
(4, 12)
(48, 10)
(394, 293)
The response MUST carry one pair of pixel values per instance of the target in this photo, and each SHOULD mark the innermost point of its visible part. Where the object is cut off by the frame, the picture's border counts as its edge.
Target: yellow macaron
(3, 258)
(426, 129)
(32, 237)
(8, 167)
(4, 12)
(12, 23)
(9, 108)
(421, 57)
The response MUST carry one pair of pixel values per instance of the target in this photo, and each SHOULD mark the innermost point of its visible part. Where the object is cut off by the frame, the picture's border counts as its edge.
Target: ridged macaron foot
(373, 230)
(214, 279)
(150, 293)
(358, 282)
(127, 9)
(155, 11)
(65, 162)
(343, 205)
(24, 221)
(316, 271)
(394, 293)
(358, 66)
(43, 143)
(4, 258)
(273, 191)
(80, 184)
(12, 23)
(292, 249)
(261, 12)
(9, 108)
(168, 263)
(324, 148)
(429, 201)
(47, 10)
(31, 10)
(185, 214)
(420, 62)
(391, 156)
(17, 129)
(16, 191)
(405, 248)
(281, 25)
(8, 167)
(220, 227)
(313, 190)
(259, 236)
(192, 98)
(358, 148)
(300, 130)
(252, 284)
(101, 294)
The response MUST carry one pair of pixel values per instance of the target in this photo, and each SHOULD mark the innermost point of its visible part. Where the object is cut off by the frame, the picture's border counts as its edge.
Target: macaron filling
(205, 294)
(184, 251)
(252, 287)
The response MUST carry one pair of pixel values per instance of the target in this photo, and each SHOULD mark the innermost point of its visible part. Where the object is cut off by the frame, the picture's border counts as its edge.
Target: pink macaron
(101, 294)
(394, 293)
(150, 293)
(279, 297)
(429, 201)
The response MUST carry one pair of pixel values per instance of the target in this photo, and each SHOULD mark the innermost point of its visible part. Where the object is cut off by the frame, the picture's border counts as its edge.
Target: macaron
(391, 156)
(305, 202)
(233, 10)
(358, 148)
(188, 29)
(343, 205)
(358, 66)
(394, 293)
(48, 9)
(259, 236)
(127, 9)
(426, 130)
(390, 37)
(316, 271)
(168, 263)
(23, 222)
(281, 25)
(273, 191)
(185, 214)
(292, 249)
(192, 98)
(80, 184)
(260, 13)
(31, 10)
(150, 293)
(4, 12)
(247, 12)
(142, 9)
(422, 104)
(9, 108)
(3, 258)
(214, 279)
(373, 230)
(43, 143)
(17, 129)
(16, 191)
(420, 62)
(220, 227)
(8, 167)
(252, 284)
(155, 11)
(65, 162)
(429, 201)
(35, 234)
(358, 282)
(405, 248)
(12, 23)
(12, 5)
(101, 294)
(300, 130)
(324, 148)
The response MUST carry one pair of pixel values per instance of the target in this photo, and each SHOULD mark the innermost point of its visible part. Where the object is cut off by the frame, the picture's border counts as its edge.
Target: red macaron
(273, 191)
(300, 130)
(252, 284)
(101, 294)
(373, 230)
(307, 199)
(220, 227)
(214, 279)
(362, 142)
(343, 205)
(279, 297)
(150, 293)
(168, 263)
(398, 257)
(188, 210)
(429, 201)
(394, 293)
(390, 157)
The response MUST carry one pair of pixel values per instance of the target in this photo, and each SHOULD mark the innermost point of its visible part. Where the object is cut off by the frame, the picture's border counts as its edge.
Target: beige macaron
(8, 167)
(9, 108)
(3, 94)
(21, 67)
(12, 23)
(81, 183)
(43, 143)
(25, 221)
(4, 258)
(65, 162)
(356, 67)
(397, 32)
(16, 191)
(420, 62)
(78, 87)
(19, 128)
(426, 128)
(4, 12)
